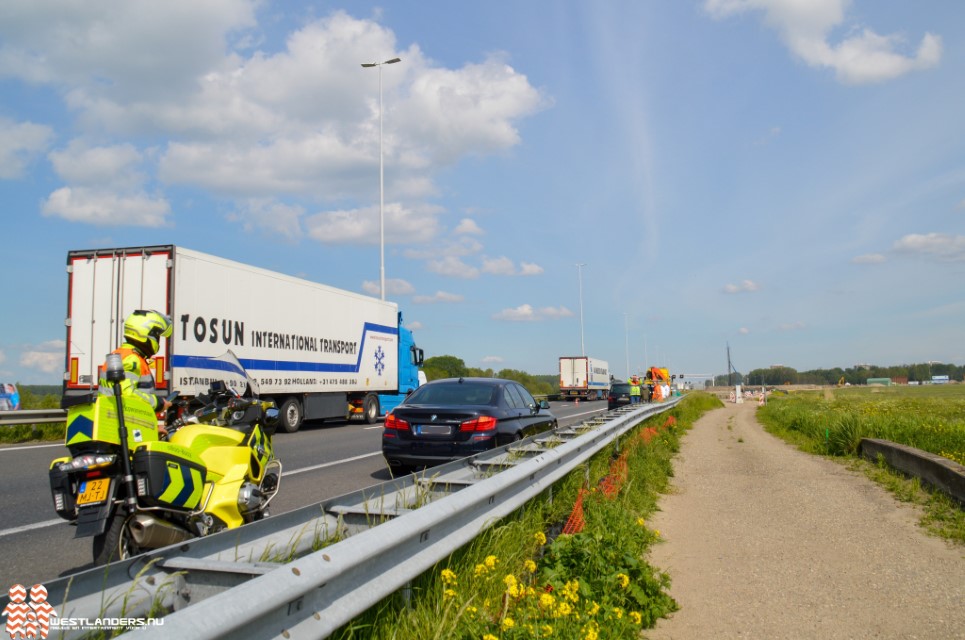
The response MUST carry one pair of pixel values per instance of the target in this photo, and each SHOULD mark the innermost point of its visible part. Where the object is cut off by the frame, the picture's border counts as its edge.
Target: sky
(783, 178)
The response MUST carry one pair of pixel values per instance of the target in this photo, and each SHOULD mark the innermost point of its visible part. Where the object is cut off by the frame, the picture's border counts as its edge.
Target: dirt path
(763, 541)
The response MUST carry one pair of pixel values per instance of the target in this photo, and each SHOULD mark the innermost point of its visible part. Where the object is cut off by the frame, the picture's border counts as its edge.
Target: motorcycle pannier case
(92, 424)
(168, 475)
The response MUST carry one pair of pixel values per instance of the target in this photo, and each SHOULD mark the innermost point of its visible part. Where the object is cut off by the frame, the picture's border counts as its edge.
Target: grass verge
(523, 578)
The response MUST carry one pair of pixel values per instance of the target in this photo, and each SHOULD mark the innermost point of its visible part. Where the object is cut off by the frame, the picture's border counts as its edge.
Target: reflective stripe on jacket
(137, 380)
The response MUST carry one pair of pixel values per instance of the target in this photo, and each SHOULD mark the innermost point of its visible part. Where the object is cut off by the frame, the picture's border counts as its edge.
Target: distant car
(619, 395)
(444, 420)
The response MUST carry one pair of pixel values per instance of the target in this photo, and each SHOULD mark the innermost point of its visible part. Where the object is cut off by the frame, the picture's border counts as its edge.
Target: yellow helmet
(146, 328)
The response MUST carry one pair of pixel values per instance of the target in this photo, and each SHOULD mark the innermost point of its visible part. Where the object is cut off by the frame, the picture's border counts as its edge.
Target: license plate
(435, 430)
(93, 491)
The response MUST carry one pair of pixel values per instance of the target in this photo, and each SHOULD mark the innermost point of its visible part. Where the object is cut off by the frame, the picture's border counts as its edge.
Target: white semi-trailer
(583, 377)
(317, 351)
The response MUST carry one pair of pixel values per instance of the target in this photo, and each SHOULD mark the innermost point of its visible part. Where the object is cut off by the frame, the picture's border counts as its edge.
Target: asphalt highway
(320, 461)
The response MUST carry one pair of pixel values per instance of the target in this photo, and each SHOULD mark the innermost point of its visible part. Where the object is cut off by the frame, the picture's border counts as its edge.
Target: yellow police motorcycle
(133, 491)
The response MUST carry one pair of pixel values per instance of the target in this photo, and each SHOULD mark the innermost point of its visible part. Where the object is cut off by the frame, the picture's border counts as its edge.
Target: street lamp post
(579, 268)
(381, 178)
(626, 330)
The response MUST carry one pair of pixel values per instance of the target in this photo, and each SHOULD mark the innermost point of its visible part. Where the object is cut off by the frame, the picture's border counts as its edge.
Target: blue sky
(784, 177)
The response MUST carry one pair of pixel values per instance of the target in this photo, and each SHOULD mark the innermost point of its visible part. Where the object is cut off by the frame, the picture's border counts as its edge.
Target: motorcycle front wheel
(116, 543)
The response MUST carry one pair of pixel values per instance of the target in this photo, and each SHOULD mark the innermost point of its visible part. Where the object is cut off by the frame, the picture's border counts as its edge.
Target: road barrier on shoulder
(267, 580)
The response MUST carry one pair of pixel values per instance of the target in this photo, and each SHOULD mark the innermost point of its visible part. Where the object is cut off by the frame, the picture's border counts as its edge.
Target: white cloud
(943, 247)
(438, 296)
(48, 357)
(277, 218)
(393, 287)
(492, 359)
(452, 266)
(501, 266)
(743, 331)
(529, 269)
(414, 326)
(99, 166)
(100, 207)
(20, 143)
(744, 287)
(467, 226)
(361, 226)
(868, 258)
(860, 58)
(526, 313)
(460, 247)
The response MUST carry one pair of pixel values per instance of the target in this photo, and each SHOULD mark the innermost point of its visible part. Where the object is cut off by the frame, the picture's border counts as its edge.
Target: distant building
(884, 382)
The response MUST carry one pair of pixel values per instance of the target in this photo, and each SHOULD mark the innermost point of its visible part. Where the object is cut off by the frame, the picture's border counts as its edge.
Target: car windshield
(456, 393)
(620, 388)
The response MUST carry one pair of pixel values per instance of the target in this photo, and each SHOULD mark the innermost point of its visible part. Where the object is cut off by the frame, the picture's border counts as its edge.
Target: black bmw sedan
(445, 420)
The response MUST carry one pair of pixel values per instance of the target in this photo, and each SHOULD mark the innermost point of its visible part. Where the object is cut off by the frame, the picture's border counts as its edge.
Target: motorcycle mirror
(115, 367)
(272, 418)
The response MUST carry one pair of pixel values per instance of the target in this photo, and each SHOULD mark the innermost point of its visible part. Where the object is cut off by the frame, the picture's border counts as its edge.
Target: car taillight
(482, 423)
(391, 422)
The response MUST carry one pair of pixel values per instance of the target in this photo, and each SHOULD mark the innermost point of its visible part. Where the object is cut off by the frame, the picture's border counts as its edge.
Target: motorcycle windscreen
(197, 373)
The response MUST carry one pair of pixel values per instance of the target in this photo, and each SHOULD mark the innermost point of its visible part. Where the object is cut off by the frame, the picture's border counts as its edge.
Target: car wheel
(508, 439)
(290, 414)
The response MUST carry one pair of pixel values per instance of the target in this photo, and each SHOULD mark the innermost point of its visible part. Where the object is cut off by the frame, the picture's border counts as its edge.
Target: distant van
(9, 397)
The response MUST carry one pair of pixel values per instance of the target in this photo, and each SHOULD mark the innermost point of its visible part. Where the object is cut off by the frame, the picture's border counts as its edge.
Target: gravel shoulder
(764, 541)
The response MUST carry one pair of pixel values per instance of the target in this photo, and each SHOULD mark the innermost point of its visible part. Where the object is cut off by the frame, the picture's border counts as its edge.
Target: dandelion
(508, 623)
(540, 538)
(529, 566)
(624, 580)
(490, 562)
(636, 617)
(448, 577)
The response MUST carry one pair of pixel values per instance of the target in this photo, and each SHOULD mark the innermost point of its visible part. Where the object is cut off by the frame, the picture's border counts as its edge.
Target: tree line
(438, 367)
(852, 375)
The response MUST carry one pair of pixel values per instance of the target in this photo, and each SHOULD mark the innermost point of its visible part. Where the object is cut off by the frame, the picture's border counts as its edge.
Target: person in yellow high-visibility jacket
(142, 333)
(634, 390)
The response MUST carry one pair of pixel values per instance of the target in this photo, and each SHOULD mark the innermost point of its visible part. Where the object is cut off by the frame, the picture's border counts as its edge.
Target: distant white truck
(317, 351)
(584, 377)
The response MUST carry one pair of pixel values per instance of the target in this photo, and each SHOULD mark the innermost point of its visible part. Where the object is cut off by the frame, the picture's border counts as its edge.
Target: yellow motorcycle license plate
(94, 491)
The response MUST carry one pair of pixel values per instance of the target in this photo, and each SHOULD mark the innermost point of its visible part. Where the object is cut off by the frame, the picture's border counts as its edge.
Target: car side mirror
(544, 404)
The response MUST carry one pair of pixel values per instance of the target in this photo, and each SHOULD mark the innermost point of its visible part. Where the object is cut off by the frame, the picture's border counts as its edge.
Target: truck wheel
(291, 415)
(116, 543)
(370, 409)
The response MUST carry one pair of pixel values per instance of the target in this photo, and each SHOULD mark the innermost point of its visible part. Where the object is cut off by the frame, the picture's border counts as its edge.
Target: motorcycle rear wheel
(116, 543)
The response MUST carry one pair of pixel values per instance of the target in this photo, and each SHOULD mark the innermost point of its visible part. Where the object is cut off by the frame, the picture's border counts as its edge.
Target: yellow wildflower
(508, 623)
(490, 562)
(564, 609)
(590, 631)
(641, 522)
(636, 617)
(618, 612)
(547, 601)
(449, 593)
(531, 592)
(529, 566)
(624, 580)
(594, 609)
(448, 577)
(571, 590)
(540, 538)
(489, 636)
(546, 630)
(480, 570)
(656, 532)
(512, 586)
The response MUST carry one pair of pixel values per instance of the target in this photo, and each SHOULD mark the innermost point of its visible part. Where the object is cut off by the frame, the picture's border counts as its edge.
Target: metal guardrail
(31, 416)
(396, 530)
